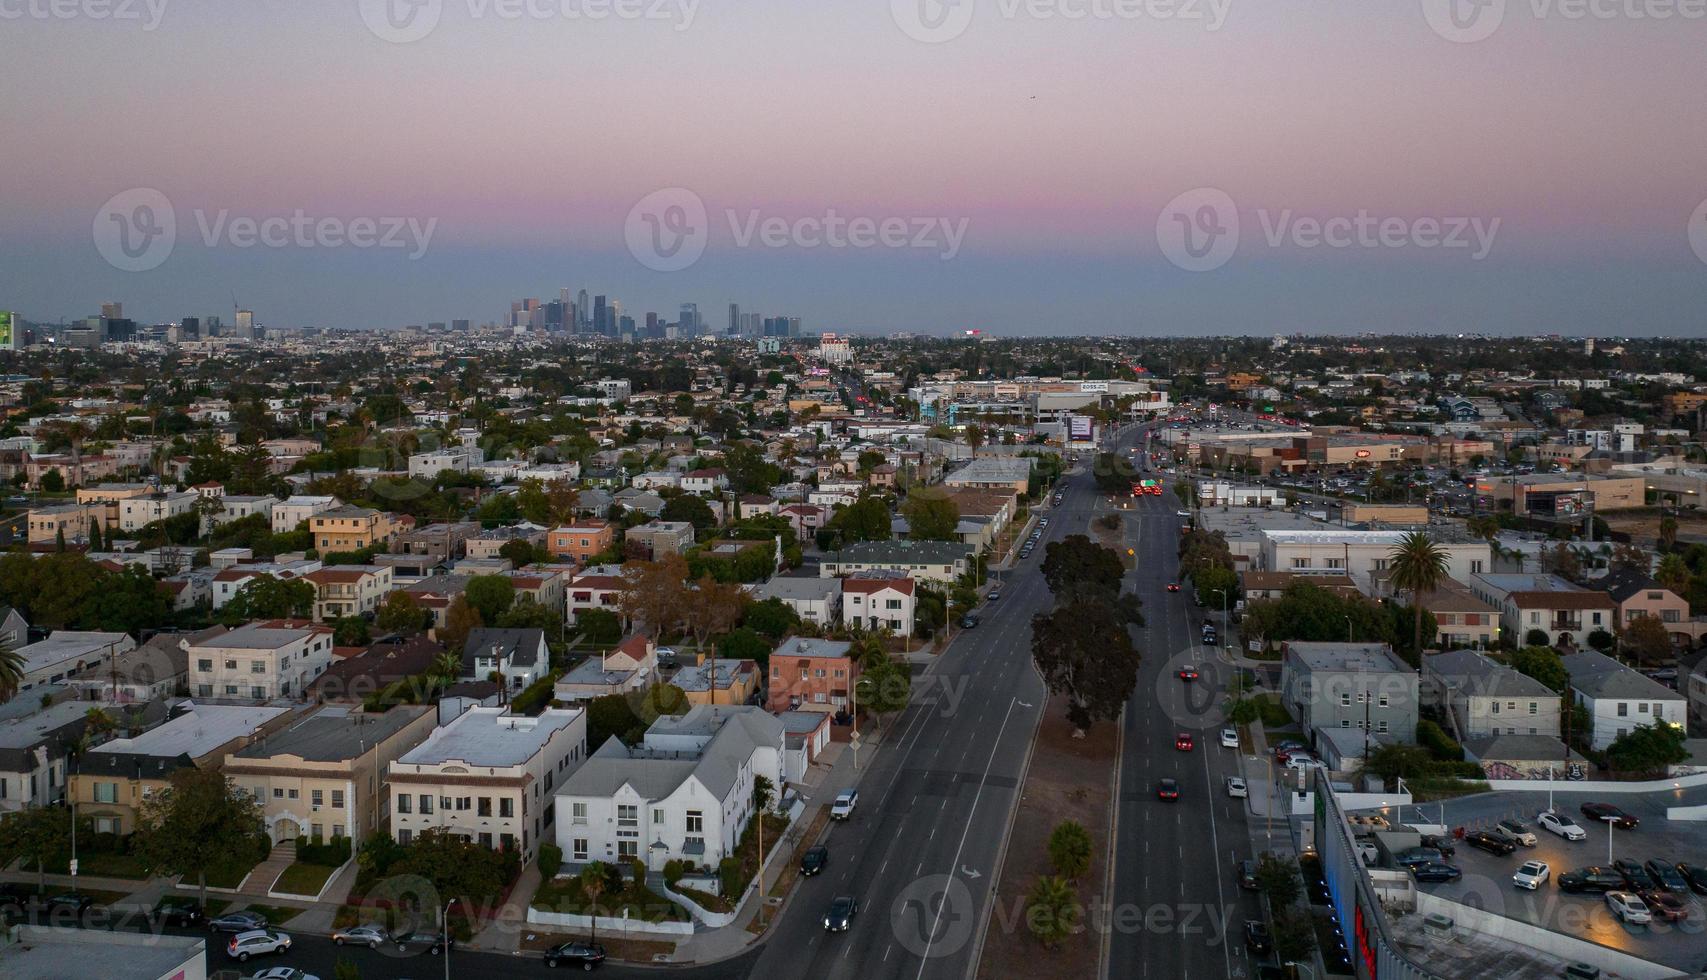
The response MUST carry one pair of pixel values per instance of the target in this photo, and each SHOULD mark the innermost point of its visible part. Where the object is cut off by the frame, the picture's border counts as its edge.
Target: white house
(598, 587)
(685, 793)
(814, 600)
(878, 601)
(135, 513)
(260, 661)
(1619, 699)
(520, 656)
(66, 652)
(295, 509)
(489, 777)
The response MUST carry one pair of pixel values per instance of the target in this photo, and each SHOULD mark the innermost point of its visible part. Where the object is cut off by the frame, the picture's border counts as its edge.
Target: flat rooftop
(65, 645)
(335, 733)
(487, 737)
(48, 954)
(22, 733)
(204, 727)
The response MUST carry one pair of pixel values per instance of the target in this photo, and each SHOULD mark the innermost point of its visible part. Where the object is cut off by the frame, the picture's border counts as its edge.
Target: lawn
(303, 879)
(565, 895)
(1274, 714)
(705, 900)
(225, 877)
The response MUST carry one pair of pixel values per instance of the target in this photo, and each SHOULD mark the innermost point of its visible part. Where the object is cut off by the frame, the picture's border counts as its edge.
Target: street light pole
(1608, 839)
(444, 934)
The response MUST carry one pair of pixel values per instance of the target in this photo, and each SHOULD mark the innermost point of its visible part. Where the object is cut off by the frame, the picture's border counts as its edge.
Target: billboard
(7, 325)
(1079, 429)
(1563, 505)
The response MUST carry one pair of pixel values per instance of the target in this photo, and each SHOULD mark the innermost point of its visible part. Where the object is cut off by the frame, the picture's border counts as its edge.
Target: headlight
(826, 923)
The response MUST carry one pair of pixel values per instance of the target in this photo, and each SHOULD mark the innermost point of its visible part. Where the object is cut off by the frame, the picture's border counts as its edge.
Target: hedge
(1430, 736)
(331, 853)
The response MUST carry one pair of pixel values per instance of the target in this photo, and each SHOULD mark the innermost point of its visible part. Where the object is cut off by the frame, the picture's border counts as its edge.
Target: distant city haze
(1065, 140)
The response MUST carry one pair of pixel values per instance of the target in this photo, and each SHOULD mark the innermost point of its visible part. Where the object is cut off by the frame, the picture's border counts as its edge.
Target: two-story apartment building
(489, 777)
(1564, 612)
(812, 675)
(1461, 618)
(879, 600)
(519, 656)
(1638, 596)
(440, 542)
(582, 541)
(1362, 554)
(597, 587)
(1619, 699)
(1363, 687)
(814, 600)
(934, 561)
(260, 661)
(685, 793)
(348, 590)
(135, 513)
(298, 508)
(1486, 698)
(351, 528)
(323, 776)
(657, 539)
(111, 781)
(35, 743)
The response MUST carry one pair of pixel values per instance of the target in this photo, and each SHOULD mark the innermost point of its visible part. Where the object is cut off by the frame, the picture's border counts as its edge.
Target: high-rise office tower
(583, 313)
(112, 311)
(460, 326)
(653, 331)
(690, 319)
(245, 329)
(601, 325)
(190, 328)
(734, 319)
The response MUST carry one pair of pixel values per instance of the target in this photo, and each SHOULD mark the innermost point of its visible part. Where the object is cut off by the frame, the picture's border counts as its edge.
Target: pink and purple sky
(1058, 142)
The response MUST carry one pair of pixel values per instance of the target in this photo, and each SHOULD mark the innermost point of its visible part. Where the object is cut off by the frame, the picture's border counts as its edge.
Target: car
(370, 935)
(1610, 814)
(1173, 586)
(666, 656)
(1491, 842)
(1532, 875)
(1517, 831)
(1237, 789)
(843, 908)
(586, 955)
(1593, 879)
(1229, 738)
(1282, 749)
(423, 941)
(283, 973)
(1629, 908)
(1188, 674)
(1184, 742)
(1664, 905)
(1667, 876)
(1635, 874)
(1302, 760)
(68, 902)
(1560, 824)
(1168, 790)
(174, 911)
(257, 942)
(1210, 641)
(814, 860)
(993, 595)
(1438, 842)
(15, 897)
(1247, 873)
(1696, 875)
(244, 921)
(1415, 856)
(1434, 871)
(1257, 938)
(1043, 522)
(1182, 513)
(1581, 971)
(968, 621)
(844, 805)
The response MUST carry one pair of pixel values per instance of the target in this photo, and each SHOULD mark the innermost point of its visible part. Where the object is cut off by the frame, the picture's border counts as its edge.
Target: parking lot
(1487, 878)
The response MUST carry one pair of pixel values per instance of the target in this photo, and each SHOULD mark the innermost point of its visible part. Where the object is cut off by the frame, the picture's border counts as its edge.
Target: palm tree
(594, 878)
(446, 667)
(1673, 573)
(1418, 565)
(1668, 532)
(11, 672)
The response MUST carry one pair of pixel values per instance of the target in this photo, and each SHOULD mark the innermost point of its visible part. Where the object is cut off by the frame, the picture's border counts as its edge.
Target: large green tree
(1648, 749)
(931, 516)
(867, 519)
(1084, 651)
(1079, 568)
(490, 595)
(39, 835)
(266, 597)
(200, 822)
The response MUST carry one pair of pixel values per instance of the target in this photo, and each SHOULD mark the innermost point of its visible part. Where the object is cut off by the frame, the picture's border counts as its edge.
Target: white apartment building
(295, 509)
(685, 793)
(135, 513)
(1619, 699)
(879, 601)
(1359, 554)
(489, 777)
(260, 661)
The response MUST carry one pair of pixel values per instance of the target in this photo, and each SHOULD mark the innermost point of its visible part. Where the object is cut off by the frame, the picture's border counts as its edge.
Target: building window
(506, 807)
(405, 835)
(627, 815)
(696, 822)
(578, 811)
(657, 815)
(1345, 700)
(338, 798)
(205, 666)
(316, 797)
(426, 803)
(1623, 710)
(317, 831)
(485, 806)
(278, 792)
(258, 667)
(337, 830)
(1475, 566)
(578, 848)
(403, 802)
(106, 792)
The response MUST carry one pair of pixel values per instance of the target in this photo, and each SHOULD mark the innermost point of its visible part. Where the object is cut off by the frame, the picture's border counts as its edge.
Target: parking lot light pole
(1608, 839)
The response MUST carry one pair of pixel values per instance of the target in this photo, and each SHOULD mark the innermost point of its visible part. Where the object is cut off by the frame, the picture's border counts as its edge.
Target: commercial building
(1011, 474)
(582, 541)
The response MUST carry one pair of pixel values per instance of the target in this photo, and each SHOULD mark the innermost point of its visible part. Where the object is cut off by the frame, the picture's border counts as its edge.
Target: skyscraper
(601, 323)
(112, 311)
(583, 313)
(734, 319)
(690, 319)
(245, 329)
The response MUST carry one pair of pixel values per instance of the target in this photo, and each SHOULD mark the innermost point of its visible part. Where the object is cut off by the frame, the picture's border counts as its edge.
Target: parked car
(1491, 842)
(1435, 872)
(968, 621)
(1635, 874)
(1532, 875)
(1664, 905)
(1412, 857)
(584, 955)
(844, 805)
(371, 935)
(1237, 789)
(174, 911)
(1666, 875)
(843, 908)
(15, 897)
(1560, 824)
(1440, 843)
(1610, 814)
(1302, 760)
(1629, 908)
(423, 941)
(257, 942)
(1167, 790)
(1696, 875)
(814, 860)
(72, 902)
(1229, 738)
(1593, 879)
(1517, 831)
(993, 595)
(284, 973)
(1257, 938)
(244, 921)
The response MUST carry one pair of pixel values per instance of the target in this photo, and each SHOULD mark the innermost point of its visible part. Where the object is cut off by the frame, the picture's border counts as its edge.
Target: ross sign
(1363, 454)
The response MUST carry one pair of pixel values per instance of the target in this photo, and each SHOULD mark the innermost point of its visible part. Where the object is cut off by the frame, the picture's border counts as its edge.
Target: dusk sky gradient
(529, 141)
